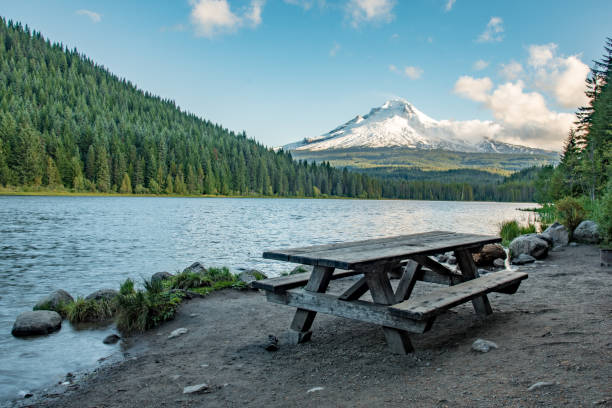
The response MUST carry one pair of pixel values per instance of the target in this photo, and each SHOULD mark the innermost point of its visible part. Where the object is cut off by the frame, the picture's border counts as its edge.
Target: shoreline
(541, 335)
(53, 193)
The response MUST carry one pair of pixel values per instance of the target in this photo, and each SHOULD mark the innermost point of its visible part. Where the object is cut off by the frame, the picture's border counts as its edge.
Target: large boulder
(36, 323)
(162, 276)
(54, 301)
(488, 254)
(587, 232)
(102, 294)
(558, 233)
(529, 244)
(195, 267)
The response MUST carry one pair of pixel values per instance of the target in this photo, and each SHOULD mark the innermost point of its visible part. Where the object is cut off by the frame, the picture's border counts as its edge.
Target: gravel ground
(556, 329)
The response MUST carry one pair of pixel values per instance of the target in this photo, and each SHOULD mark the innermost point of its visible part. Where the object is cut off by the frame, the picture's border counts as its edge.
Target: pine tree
(126, 185)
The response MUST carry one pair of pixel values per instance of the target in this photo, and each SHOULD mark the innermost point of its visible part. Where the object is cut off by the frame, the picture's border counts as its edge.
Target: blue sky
(287, 69)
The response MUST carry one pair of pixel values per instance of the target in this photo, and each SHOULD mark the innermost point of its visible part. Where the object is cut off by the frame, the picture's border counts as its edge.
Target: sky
(283, 70)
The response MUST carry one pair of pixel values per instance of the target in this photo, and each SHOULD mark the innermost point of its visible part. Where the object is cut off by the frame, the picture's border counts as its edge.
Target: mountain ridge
(398, 123)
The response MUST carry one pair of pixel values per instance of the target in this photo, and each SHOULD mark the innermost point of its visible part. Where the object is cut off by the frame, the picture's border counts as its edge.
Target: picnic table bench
(395, 310)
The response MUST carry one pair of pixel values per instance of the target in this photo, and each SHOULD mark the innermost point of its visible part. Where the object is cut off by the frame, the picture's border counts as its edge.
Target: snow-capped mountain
(398, 123)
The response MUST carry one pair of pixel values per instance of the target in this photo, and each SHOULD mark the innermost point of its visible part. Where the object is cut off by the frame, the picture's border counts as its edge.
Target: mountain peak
(398, 123)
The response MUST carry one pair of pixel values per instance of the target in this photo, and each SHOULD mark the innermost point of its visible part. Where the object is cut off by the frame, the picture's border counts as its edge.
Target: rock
(442, 258)
(488, 254)
(36, 322)
(195, 267)
(195, 388)
(451, 260)
(54, 301)
(529, 244)
(540, 385)
(102, 294)
(558, 248)
(313, 389)
(523, 259)
(573, 244)
(250, 276)
(111, 339)
(499, 263)
(483, 272)
(587, 232)
(178, 332)
(272, 343)
(483, 346)
(162, 276)
(558, 233)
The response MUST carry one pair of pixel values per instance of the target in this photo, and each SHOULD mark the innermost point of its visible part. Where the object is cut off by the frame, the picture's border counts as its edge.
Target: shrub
(570, 213)
(139, 310)
(528, 229)
(90, 310)
(187, 280)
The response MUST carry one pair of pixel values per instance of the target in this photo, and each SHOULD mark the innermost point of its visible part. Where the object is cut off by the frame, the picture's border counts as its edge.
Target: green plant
(139, 310)
(603, 217)
(570, 212)
(62, 308)
(90, 310)
(528, 229)
(508, 230)
(188, 280)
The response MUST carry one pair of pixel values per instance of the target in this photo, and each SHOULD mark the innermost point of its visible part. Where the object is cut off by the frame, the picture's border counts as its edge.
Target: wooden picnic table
(395, 310)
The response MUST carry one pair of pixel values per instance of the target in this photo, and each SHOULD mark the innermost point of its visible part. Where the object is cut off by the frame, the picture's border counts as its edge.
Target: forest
(67, 124)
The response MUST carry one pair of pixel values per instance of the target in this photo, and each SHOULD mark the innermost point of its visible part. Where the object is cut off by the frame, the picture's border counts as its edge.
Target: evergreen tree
(126, 185)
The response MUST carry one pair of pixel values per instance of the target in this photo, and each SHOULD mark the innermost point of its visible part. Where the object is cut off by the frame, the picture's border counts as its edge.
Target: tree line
(68, 123)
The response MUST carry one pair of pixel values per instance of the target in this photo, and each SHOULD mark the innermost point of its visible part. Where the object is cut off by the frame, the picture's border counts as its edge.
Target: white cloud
(360, 11)
(393, 68)
(213, 17)
(493, 31)
(334, 50)
(449, 5)
(540, 55)
(511, 70)
(475, 89)
(413, 72)
(480, 65)
(93, 16)
(524, 116)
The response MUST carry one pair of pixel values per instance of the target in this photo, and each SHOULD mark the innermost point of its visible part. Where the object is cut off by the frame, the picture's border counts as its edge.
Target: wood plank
(357, 290)
(303, 319)
(382, 293)
(350, 255)
(282, 283)
(407, 282)
(470, 271)
(356, 309)
(436, 302)
(431, 264)
(427, 275)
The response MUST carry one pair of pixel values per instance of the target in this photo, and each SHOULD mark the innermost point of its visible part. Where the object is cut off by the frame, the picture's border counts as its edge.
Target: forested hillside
(69, 124)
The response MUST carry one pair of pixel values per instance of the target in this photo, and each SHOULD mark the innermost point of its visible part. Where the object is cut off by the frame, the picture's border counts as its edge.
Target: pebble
(573, 244)
(313, 389)
(175, 377)
(193, 315)
(540, 384)
(500, 263)
(483, 346)
(178, 332)
(195, 388)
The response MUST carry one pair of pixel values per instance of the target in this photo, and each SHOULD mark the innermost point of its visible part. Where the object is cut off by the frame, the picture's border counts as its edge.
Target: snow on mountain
(397, 123)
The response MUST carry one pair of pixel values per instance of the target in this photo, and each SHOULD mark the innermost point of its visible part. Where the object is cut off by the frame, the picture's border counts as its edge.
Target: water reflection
(82, 244)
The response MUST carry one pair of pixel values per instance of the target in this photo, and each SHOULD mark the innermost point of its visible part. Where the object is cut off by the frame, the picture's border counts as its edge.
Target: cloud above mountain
(522, 104)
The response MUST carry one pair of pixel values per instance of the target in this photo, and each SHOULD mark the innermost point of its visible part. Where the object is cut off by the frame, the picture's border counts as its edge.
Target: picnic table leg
(469, 272)
(303, 319)
(382, 293)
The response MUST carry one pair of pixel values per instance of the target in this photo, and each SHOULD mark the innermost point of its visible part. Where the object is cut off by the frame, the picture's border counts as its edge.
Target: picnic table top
(350, 255)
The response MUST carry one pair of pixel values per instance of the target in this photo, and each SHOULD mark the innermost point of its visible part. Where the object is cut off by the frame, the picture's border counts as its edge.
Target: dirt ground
(557, 328)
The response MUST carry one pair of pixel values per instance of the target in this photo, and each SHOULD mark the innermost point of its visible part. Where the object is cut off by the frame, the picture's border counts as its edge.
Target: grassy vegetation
(508, 230)
(90, 310)
(570, 213)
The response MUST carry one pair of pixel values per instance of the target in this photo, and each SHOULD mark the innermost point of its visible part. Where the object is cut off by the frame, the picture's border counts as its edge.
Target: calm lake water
(81, 244)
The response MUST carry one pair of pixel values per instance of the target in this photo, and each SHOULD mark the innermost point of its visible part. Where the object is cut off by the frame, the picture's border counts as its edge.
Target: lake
(81, 244)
